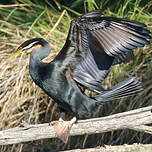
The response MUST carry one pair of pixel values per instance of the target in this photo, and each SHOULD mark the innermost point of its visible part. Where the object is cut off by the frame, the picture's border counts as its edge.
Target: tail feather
(123, 89)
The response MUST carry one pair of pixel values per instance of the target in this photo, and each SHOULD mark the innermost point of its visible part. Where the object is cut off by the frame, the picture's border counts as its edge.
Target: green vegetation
(21, 100)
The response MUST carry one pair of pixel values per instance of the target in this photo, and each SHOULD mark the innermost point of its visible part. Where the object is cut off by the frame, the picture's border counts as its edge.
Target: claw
(62, 128)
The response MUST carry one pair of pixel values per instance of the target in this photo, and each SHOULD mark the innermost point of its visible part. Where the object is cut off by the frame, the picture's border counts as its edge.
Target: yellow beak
(17, 53)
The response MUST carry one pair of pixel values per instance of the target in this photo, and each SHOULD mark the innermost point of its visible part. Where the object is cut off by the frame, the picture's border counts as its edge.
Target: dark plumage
(93, 45)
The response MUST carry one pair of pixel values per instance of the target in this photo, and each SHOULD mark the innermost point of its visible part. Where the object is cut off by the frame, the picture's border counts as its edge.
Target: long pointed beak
(15, 54)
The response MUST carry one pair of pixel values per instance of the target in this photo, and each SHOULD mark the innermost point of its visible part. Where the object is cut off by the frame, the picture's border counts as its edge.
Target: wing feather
(96, 43)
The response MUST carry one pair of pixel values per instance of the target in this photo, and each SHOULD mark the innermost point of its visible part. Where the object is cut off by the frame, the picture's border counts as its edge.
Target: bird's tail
(123, 89)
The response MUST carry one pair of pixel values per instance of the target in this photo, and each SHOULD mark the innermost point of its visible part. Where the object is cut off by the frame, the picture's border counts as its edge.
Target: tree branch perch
(134, 119)
(124, 148)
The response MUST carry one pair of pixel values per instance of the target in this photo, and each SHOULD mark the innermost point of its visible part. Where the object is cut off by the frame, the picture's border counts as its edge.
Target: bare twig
(15, 5)
(56, 24)
(131, 119)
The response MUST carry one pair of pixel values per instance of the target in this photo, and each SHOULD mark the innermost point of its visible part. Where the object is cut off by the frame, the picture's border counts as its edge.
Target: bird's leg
(62, 128)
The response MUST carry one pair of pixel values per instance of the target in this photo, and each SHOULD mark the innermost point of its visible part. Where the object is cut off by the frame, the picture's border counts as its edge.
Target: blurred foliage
(83, 6)
(22, 101)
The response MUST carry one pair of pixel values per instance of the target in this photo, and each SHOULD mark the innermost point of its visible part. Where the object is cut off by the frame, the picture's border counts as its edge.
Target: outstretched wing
(102, 42)
(118, 36)
(95, 66)
(108, 41)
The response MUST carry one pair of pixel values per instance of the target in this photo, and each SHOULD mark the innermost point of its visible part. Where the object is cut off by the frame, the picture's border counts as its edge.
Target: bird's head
(32, 44)
(39, 47)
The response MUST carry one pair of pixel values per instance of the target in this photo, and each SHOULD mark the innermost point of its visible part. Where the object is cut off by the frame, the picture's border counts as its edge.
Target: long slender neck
(36, 59)
(41, 52)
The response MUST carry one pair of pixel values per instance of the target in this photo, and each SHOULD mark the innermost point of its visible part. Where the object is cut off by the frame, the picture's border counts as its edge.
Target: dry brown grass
(18, 94)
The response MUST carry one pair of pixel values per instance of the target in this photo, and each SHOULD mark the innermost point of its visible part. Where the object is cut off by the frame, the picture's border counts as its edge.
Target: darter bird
(93, 45)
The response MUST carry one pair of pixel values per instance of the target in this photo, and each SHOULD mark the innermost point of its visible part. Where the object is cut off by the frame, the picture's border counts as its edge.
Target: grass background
(21, 100)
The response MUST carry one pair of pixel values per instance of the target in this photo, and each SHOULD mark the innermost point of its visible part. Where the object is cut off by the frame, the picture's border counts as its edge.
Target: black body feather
(93, 45)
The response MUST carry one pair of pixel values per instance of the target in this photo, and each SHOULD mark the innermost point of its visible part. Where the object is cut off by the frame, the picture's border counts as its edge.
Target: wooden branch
(131, 119)
(144, 128)
(106, 148)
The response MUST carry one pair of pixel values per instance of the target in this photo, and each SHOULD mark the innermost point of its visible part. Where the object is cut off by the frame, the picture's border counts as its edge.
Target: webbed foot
(62, 128)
